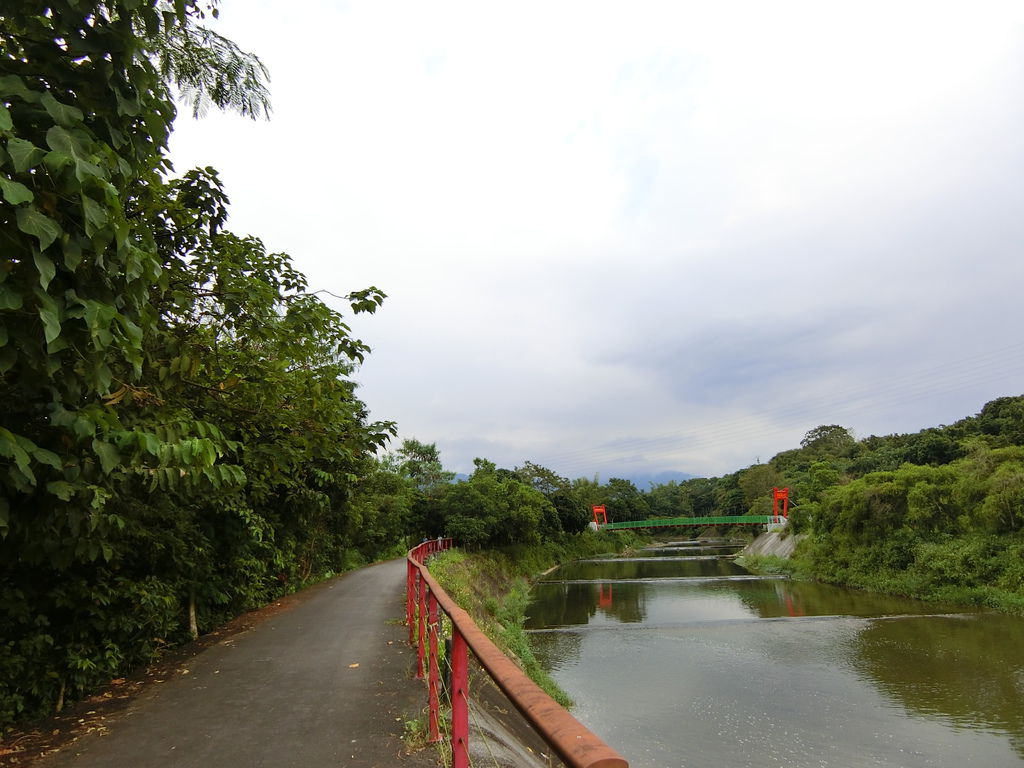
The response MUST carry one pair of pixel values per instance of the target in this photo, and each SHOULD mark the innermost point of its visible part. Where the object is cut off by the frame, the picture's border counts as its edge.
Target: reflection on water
(675, 668)
(967, 669)
(651, 568)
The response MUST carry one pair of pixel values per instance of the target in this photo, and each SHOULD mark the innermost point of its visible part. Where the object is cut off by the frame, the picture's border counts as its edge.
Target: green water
(695, 662)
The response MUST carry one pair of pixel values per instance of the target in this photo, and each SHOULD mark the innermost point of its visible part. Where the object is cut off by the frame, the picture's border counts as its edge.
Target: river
(677, 656)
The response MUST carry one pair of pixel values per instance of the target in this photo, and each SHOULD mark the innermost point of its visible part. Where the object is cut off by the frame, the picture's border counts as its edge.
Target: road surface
(323, 683)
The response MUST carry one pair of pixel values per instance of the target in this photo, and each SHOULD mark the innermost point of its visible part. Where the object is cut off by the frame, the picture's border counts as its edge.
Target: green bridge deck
(665, 522)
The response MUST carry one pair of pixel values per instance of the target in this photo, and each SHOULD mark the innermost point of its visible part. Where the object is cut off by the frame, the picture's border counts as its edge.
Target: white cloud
(662, 235)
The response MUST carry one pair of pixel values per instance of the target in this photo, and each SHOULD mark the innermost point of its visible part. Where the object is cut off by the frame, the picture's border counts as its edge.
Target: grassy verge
(493, 586)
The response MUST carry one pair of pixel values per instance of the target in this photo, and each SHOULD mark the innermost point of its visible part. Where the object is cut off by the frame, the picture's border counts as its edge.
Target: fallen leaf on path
(353, 666)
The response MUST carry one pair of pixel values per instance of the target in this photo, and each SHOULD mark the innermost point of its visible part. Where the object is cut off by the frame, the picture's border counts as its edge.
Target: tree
(421, 463)
(931, 446)
(757, 482)
(624, 501)
(84, 118)
(572, 509)
(493, 507)
(830, 439)
(180, 438)
(669, 499)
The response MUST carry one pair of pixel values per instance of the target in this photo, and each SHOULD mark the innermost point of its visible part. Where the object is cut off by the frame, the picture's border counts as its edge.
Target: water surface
(695, 662)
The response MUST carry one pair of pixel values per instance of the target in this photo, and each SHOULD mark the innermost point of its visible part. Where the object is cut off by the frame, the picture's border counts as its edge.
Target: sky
(622, 239)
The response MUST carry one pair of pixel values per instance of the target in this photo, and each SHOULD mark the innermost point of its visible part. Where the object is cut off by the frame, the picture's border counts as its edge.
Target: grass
(414, 733)
(772, 565)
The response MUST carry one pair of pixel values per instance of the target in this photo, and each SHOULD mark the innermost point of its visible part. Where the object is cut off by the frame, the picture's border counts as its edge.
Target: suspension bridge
(779, 516)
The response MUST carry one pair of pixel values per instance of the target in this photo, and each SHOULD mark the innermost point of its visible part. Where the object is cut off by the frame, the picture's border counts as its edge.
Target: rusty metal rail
(568, 738)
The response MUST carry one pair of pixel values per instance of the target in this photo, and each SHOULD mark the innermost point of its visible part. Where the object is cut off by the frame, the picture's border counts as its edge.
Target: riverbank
(979, 570)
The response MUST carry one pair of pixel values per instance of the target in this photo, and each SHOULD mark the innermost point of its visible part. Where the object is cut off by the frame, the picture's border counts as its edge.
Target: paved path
(283, 693)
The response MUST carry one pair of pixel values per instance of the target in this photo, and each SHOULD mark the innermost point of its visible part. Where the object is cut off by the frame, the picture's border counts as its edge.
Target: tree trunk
(193, 627)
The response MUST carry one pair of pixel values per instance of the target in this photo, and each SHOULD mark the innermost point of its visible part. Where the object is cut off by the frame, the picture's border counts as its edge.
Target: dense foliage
(494, 507)
(937, 514)
(180, 437)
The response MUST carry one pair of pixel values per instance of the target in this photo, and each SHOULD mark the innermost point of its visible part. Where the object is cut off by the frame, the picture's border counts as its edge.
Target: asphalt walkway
(323, 683)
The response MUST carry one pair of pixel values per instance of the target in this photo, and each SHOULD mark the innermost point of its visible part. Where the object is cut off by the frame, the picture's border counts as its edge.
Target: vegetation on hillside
(937, 514)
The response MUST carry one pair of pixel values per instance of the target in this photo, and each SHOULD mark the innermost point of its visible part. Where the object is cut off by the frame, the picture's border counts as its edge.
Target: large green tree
(180, 438)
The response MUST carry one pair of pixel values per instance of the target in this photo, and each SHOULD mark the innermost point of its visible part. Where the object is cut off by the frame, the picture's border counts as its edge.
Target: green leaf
(108, 455)
(44, 456)
(9, 298)
(101, 376)
(49, 313)
(44, 264)
(62, 140)
(55, 161)
(24, 154)
(12, 85)
(15, 192)
(5, 518)
(132, 331)
(72, 252)
(95, 216)
(149, 443)
(32, 222)
(62, 489)
(84, 170)
(6, 124)
(129, 106)
(61, 113)
(10, 446)
(98, 317)
(84, 427)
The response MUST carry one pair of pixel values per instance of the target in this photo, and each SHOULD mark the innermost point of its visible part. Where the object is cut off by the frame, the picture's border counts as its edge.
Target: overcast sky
(624, 238)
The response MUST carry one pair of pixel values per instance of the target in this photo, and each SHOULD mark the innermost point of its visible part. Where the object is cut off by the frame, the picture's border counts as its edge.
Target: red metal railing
(571, 741)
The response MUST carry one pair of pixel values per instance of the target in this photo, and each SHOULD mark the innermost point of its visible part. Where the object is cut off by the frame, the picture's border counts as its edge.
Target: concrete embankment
(773, 544)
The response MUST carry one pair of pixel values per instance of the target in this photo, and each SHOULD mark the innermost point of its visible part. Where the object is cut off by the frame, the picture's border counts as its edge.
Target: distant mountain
(643, 480)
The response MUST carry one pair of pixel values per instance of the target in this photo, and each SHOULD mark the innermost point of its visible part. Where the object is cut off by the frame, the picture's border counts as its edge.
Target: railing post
(421, 645)
(411, 575)
(460, 701)
(432, 673)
